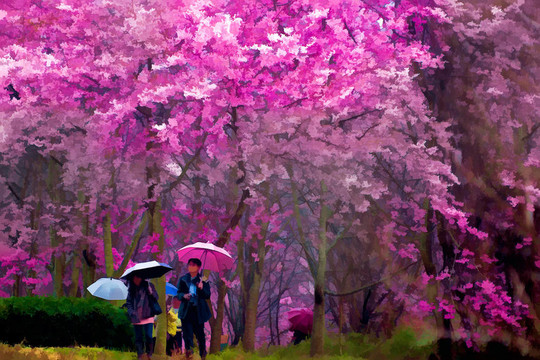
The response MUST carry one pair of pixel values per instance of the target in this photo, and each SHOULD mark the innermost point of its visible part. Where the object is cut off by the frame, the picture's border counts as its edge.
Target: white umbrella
(109, 289)
(147, 270)
(212, 257)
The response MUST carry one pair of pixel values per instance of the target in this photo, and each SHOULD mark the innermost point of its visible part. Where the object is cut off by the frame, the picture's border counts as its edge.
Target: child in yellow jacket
(172, 318)
(174, 329)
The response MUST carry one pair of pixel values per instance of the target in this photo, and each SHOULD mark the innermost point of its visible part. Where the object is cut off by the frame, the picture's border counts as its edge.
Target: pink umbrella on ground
(212, 257)
(301, 319)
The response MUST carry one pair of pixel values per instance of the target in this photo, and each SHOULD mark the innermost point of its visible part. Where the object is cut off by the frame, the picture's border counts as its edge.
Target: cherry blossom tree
(120, 144)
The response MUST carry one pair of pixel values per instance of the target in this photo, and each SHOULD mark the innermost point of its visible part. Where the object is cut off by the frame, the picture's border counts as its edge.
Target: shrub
(50, 321)
(406, 344)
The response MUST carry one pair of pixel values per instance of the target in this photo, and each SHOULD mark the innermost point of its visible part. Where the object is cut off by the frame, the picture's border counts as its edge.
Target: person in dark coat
(140, 313)
(298, 337)
(194, 310)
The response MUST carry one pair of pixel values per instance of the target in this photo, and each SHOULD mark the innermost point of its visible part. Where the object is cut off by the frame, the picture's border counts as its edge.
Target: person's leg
(187, 331)
(148, 339)
(201, 338)
(179, 341)
(169, 345)
(139, 342)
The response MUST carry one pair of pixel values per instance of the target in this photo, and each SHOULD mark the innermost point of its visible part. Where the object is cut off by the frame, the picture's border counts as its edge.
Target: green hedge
(50, 321)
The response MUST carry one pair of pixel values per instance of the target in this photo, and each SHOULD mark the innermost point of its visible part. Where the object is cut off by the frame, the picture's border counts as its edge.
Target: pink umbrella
(212, 257)
(301, 319)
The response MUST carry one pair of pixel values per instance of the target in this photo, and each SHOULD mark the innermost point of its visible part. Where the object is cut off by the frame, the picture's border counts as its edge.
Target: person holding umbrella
(140, 294)
(194, 311)
(193, 292)
(301, 324)
(142, 302)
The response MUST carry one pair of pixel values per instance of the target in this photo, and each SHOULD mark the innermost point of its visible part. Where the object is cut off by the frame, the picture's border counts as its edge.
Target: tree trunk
(89, 264)
(89, 270)
(251, 314)
(75, 272)
(317, 340)
(444, 336)
(244, 293)
(216, 324)
(254, 292)
(107, 244)
(277, 324)
(160, 283)
(58, 265)
(17, 288)
(271, 326)
(161, 337)
(58, 260)
(34, 225)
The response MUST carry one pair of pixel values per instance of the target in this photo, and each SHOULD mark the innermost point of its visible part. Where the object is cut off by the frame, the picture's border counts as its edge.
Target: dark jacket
(203, 310)
(137, 301)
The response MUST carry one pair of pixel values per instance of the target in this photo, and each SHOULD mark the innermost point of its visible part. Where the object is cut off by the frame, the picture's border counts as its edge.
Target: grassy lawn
(404, 345)
(19, 352)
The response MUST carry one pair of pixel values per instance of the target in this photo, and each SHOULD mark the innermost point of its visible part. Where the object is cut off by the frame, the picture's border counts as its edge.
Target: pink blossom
(443, 275)
(487, 287)
(485, 258)
(467, 252)
(425, 278)
(425, 306)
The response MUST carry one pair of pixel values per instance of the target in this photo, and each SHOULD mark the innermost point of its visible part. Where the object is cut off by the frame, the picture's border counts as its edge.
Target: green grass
(404, 345)
(19, 352)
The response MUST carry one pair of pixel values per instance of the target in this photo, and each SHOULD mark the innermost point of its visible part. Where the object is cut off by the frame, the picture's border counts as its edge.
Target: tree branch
(124, 221)
(367, 130)
(56, 160)
(235, 219)
(131, 248)
(311, 261)
(339, 237)
(294, 102)
(186, 167)
(13, 192)
(533, 130)
(331, 293)
(367, 112)
(350, 32)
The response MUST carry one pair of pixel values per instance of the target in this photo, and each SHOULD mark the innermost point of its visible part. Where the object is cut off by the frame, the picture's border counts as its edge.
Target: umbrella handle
(204, 261)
